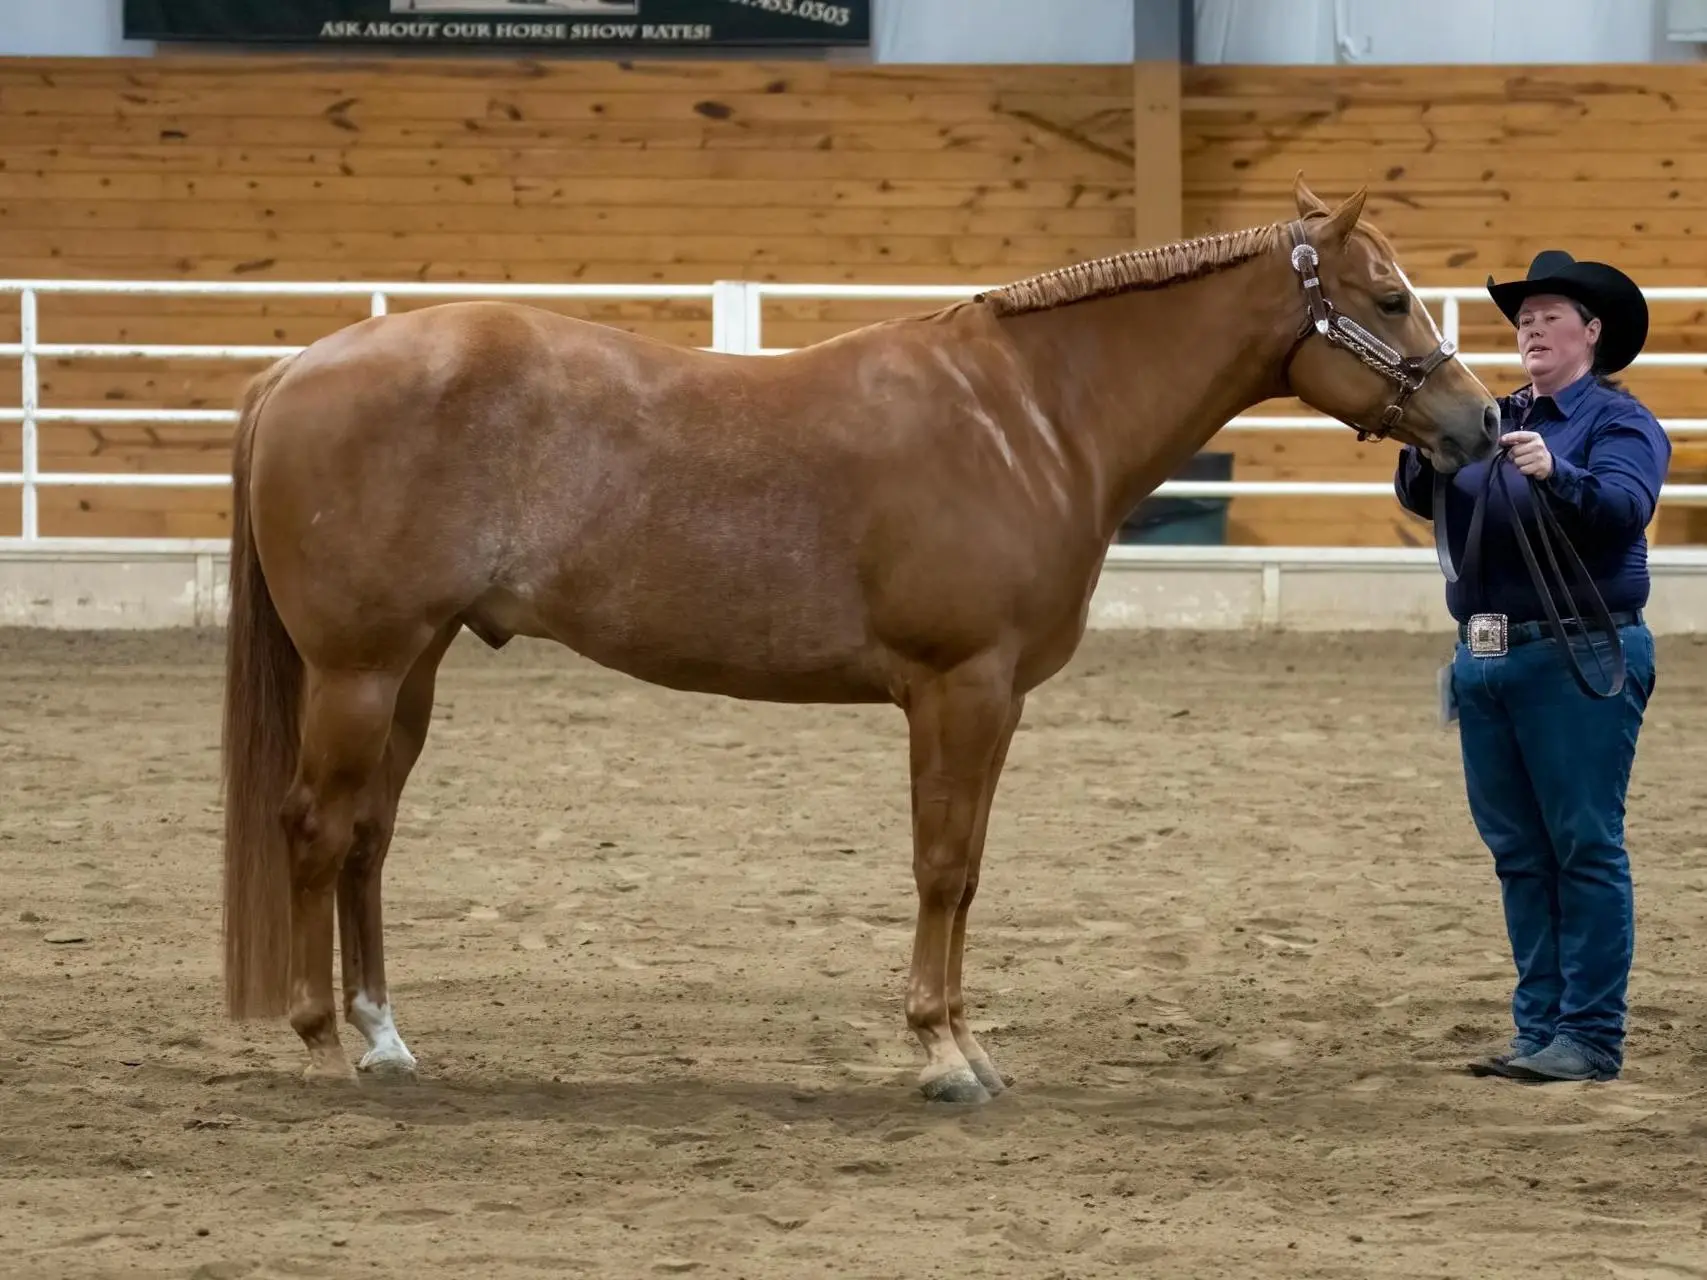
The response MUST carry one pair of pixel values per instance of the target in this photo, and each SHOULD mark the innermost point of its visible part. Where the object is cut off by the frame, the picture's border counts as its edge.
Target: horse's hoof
(321, 1071)
(995, 1084)
(399, 1068)
(959, 1087)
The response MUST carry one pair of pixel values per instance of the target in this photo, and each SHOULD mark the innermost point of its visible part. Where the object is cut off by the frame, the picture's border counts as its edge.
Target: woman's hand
(1529, 451)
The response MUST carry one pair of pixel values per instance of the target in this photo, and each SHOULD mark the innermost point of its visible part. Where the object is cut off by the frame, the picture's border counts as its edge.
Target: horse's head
(1373, 356)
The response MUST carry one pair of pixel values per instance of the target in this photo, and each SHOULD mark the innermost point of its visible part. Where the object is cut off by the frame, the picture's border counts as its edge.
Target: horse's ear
(1308, 202)
(1344, 218)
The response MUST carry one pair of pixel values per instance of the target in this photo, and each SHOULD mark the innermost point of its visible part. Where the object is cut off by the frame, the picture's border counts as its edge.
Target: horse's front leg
(958, 725)
(980, 1061)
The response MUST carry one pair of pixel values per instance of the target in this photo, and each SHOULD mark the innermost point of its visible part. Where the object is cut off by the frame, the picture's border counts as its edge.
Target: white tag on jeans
(1448, 698)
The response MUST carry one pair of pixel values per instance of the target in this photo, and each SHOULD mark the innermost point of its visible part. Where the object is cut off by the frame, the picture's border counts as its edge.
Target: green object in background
(1183, 521)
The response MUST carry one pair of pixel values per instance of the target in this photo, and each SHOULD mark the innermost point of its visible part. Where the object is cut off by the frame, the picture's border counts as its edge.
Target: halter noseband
(1341, 330)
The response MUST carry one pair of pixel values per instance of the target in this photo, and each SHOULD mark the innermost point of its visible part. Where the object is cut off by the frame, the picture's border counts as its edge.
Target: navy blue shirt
(1610, 457)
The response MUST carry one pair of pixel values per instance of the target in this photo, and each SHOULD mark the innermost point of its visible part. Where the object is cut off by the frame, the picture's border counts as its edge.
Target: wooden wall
(247, 168)
(1471, 171)
(482, 170)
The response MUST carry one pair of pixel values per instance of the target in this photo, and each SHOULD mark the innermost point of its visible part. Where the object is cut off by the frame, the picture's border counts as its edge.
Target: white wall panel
(1002, 31)
(1456, 31)
(65, 29)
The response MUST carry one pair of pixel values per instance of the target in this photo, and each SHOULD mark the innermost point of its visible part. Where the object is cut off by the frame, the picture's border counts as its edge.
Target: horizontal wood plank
(499, 244)
(1343, 164)
(261, 138)
(367, 109)
(325, 178)
(399, 266)
(556, 219)
(304, 78)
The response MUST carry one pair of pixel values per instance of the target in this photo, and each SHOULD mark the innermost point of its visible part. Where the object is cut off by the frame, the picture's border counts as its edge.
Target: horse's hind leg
(346, 724)
(367, 999)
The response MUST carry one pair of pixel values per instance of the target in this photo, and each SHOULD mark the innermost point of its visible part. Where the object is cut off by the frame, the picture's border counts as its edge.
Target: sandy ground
(1235, 939)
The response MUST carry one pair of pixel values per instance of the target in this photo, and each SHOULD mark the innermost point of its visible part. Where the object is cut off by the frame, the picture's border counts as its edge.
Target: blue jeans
(1545, 769)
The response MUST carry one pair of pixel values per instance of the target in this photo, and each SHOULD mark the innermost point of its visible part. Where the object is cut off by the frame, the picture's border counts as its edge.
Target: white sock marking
(375, 1023)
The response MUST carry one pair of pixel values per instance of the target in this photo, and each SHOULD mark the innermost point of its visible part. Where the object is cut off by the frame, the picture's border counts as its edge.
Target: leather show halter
(1340, 330)
(1409, 373)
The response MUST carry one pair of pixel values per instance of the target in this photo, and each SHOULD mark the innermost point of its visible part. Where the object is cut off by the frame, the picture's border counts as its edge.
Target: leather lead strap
(1547, 526)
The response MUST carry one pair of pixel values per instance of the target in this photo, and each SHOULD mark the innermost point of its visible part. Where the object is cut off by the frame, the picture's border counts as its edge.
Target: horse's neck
(1143, 380)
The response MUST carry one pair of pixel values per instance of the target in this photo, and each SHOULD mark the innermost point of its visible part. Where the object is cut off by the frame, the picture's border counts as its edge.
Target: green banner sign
(540, 24)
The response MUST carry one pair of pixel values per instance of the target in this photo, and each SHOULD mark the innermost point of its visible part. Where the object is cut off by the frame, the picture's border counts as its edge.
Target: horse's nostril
(1491, 422)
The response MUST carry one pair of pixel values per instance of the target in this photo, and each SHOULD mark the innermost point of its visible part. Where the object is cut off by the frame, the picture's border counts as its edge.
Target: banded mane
(1135, 269)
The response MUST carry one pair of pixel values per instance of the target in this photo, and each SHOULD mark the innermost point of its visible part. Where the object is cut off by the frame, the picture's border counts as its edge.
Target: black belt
(1490, 633)
(1517, 633)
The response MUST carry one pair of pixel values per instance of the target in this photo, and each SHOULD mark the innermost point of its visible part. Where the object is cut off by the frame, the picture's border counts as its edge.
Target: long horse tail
(259, 745)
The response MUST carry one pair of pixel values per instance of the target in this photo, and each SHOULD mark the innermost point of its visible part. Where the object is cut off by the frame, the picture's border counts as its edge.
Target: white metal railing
(737, 327)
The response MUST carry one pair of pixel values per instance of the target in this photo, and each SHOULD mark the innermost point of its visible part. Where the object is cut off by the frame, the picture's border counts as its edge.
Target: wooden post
(1161, 31)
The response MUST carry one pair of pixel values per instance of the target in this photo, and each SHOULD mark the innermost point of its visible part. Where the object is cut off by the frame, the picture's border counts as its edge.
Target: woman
(1545, 764)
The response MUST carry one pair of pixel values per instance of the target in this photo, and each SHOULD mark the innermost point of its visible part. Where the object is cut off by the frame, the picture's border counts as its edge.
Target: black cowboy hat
(1604, 290)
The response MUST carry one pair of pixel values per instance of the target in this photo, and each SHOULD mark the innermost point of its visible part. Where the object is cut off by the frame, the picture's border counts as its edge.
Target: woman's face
(1553, 340)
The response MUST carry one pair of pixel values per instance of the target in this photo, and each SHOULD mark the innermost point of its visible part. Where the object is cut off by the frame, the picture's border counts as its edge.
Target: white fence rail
(737, 324)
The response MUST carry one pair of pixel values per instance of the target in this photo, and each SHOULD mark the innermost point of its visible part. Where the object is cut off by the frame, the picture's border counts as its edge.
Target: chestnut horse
(915, 512)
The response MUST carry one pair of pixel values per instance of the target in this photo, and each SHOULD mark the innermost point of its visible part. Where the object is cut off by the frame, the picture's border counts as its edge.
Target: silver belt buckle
(1486, 635)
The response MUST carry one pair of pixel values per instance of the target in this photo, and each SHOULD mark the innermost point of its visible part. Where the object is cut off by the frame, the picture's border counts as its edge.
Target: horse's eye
(1395, 304)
